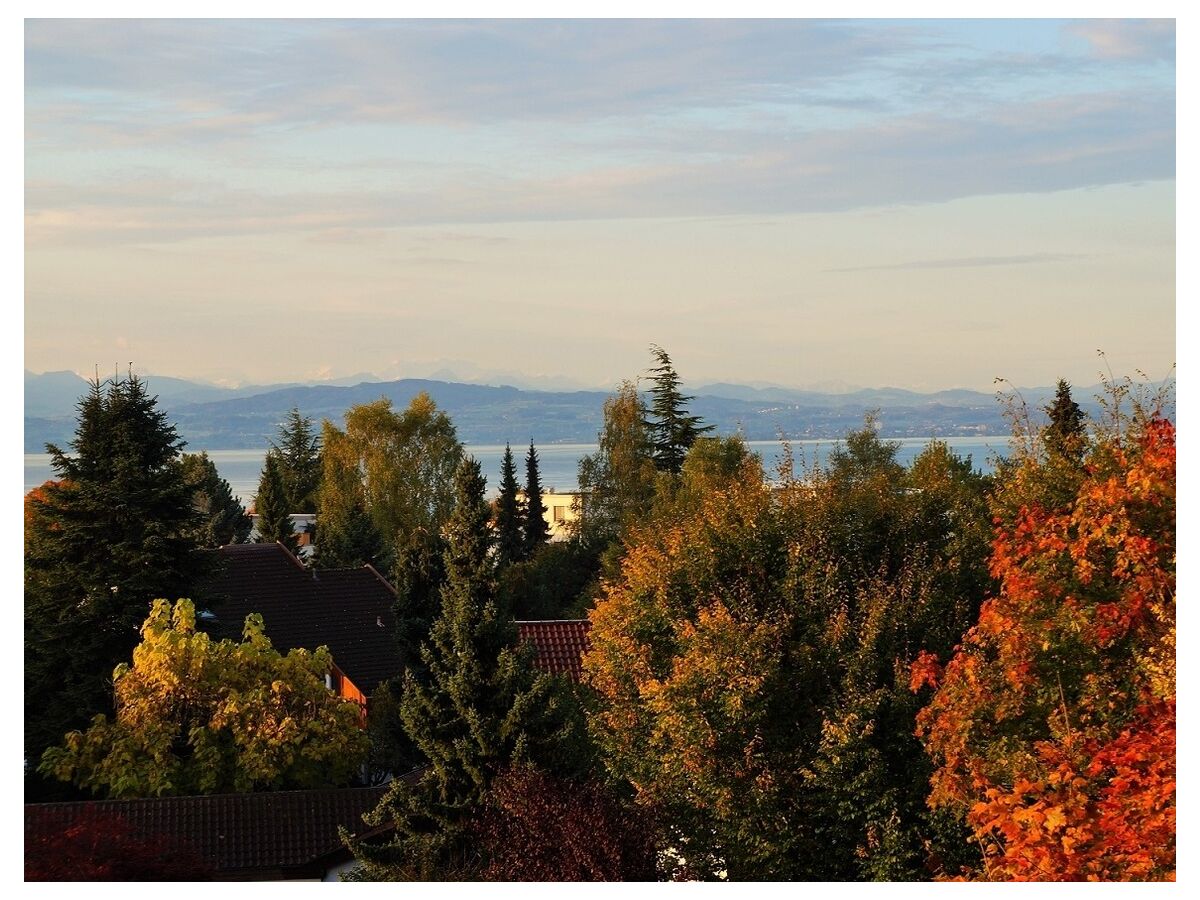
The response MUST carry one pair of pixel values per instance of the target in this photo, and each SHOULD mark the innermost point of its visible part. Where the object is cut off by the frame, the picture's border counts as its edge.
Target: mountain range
(219, 418)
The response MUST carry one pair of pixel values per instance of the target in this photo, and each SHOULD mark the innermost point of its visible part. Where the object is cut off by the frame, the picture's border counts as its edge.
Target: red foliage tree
(1054, 722)
(103, 846)
(536, 827)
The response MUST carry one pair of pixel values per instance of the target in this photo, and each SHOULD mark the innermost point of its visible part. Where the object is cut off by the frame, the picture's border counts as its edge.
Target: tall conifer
(271, 505)
(672, 430)
(510, 527)
(537, 531)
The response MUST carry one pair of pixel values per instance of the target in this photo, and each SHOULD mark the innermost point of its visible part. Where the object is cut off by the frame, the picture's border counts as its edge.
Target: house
(347, 610)
(561, 509)
(279, 835)
(559, 644)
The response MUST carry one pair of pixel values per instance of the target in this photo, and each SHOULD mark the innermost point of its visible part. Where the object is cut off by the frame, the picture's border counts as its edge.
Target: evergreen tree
(475, 706)
(510, 536)
(299, 453)
(418, 575)
(112, 535)
(270, 503)
(672, 430)
(222, 519)
(537, 531)
(348, 539)
(1067, 431)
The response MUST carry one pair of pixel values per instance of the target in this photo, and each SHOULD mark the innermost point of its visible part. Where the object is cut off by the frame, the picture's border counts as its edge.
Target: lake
(559, 463)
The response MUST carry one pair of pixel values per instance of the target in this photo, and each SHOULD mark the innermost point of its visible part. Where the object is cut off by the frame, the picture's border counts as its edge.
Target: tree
(475, 705)
(671, 429)
(271, 506)
(104, 846)
(114, 533)
(510, 536)
(222, 519)
(536, 827)
(1053, 724)
(616, 483)
(751, 663)
(299, 452)
(194, 716)
(537, 530)
(1067, 432)
(400, 466)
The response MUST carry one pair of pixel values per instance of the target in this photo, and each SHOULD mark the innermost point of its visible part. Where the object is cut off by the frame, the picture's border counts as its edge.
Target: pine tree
(475, 706)
(510, 531)
(672, 430)
(270, 504)
(114, 533)
(299, 452)
(1067, 431)
(537, 531)
(222, 518)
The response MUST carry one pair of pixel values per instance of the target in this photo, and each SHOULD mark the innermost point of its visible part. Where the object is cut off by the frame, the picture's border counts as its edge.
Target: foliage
(555, 583)
(672, 430)
(271, 506)
(510, 518)
(418, 576)
(537, 530)
(536, 827)
(1053, 723)
(116, 531)
(751, 661)
(194, 716)
(347, 535)
(475, 705)
(616, 483)
(299, 451)
(104, 846)
(399, 466)
(1067, 432)
(221, 518)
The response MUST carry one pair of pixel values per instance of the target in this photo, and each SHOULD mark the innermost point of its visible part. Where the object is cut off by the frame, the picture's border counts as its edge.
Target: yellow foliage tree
(197, 716)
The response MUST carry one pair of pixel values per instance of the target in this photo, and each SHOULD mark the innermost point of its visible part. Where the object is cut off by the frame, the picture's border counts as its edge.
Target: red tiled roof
(560, 644)
(347, 610)
(268, 835)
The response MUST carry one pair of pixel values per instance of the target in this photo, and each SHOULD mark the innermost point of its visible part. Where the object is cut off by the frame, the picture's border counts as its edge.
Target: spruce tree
(348, 540)
(1067, 431)
(672, 430)
(271, 506)
(537, 531)
(299, 451)
(114, 533)
(474, 706)
(510, 530)
(221, 517)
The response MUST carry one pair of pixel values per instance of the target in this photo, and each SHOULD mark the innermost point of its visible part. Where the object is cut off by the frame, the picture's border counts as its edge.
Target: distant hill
(217, 418)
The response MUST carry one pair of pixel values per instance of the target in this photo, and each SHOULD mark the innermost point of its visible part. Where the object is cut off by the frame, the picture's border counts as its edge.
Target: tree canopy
(114, 532)
(298, 449)
(221, 518)
(510, 531)
(672, 430)
(196, 716)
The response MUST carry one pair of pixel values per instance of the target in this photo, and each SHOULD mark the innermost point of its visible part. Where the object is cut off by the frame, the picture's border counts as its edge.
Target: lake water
(559, 463)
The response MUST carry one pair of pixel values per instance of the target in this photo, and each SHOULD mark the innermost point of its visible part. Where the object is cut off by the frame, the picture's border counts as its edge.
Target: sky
(919, 204)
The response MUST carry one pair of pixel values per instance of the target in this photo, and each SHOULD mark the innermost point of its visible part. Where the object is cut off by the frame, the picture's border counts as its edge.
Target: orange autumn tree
(1053, 725)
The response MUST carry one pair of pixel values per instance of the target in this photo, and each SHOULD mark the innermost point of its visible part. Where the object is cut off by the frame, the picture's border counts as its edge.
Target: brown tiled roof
(279, 834)
(560, 644)
(347, 610)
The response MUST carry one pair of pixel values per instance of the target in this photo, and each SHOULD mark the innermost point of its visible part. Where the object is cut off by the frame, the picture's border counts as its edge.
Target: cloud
(1127, 39)
(968, 262)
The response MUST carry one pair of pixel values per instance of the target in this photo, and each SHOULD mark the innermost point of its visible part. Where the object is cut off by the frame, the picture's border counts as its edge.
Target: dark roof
(347, 610)
(269, 835)
(560, 644)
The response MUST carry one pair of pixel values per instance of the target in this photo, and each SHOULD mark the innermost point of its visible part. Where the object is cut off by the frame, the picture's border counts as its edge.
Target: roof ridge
(549, 621)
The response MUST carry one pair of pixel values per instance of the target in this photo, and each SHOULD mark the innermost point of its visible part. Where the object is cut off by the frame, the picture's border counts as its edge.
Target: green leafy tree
(299, 450)
(475, 706)
(271, 506)
(616, 483)
(399, 465)
(114, 533)
(537, 530)
(510, 537)
(672, 430)
(222, 519)
(418, 575)
(750, 662)
(195, 716)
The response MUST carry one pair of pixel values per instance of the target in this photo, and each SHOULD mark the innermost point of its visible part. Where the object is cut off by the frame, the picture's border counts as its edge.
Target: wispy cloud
(1128, 39)
(968, 262)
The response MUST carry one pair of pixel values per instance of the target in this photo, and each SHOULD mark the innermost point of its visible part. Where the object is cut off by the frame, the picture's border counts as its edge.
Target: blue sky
(925, 204)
